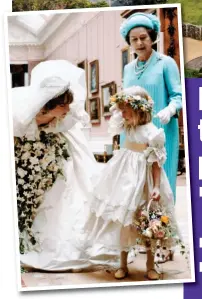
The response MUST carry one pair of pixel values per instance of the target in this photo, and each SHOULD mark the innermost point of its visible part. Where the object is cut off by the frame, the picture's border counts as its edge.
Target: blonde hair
(140, 117)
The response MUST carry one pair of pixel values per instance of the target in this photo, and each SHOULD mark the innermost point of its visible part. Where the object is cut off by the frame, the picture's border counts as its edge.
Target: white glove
(116, 121)
(166, 113)
(112, 109)
(116, 114)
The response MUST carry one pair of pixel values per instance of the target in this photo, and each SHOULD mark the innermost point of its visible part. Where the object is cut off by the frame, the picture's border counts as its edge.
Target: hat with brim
(49, 79)
(28, 101)
(149, 21)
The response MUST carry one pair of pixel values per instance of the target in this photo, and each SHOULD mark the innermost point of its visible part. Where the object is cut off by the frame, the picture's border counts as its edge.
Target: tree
(26, 5)
(136, 2)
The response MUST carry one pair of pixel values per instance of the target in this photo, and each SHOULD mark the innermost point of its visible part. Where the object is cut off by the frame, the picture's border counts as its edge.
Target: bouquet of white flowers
(38, 164)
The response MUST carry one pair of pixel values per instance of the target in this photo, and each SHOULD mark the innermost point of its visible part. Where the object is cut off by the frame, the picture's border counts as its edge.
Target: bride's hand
(43, 119)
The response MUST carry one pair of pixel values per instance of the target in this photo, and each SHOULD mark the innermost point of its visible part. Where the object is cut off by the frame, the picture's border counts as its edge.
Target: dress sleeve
(116, 123)
(173, 84)
(156, 151)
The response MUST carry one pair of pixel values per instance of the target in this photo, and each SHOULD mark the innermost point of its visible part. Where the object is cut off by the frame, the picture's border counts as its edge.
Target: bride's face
(59, 112)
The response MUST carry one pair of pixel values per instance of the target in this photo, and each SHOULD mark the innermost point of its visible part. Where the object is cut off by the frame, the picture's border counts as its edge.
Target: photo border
(116, 284)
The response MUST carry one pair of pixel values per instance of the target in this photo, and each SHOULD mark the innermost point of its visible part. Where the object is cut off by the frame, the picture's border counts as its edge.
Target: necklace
(140, 69)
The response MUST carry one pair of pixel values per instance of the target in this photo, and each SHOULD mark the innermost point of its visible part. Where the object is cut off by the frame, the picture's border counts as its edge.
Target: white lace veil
(48, 80)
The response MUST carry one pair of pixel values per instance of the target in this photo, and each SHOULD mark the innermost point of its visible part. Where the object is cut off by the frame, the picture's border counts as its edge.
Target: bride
(54, 169)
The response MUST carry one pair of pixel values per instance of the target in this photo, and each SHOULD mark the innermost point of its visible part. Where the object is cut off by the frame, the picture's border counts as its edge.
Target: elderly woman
(159, 75)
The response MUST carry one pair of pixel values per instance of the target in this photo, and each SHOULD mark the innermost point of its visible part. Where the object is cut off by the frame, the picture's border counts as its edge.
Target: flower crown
(136, 101)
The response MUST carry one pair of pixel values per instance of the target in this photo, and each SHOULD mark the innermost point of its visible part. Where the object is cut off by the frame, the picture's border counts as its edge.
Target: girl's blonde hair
(141, 117)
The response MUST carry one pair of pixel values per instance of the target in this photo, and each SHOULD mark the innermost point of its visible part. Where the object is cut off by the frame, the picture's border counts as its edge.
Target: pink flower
(143, 213)
(160, 234)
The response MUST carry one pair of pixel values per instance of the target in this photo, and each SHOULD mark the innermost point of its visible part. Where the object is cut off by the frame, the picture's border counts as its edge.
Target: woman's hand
(166, 113)
(155, 194)
(43, 119)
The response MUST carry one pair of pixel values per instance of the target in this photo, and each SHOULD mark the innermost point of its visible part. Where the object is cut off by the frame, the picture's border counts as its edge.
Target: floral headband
(136, 101)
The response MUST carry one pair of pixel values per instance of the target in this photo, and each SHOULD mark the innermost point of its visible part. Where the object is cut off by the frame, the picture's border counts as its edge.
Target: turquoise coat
(162, 81)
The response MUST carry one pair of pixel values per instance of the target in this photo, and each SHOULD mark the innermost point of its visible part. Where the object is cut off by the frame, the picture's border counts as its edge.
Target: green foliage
(26, 5)
(191, 73)
(191, 11)
(136, 2)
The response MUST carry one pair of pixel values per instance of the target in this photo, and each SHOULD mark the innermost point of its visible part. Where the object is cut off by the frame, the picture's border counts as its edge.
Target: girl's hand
(155, 194)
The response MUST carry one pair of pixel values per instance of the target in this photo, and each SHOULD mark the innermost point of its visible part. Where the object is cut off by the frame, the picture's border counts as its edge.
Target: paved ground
(192, 49)
(172, 270)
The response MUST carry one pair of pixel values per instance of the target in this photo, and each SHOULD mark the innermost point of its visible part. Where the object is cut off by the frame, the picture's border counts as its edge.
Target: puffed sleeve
(156, 152)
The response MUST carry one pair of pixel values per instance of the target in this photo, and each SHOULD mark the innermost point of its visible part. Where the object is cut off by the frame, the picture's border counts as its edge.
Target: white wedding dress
(61, 217)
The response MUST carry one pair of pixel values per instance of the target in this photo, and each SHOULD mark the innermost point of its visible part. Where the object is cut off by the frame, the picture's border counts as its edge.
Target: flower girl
(131, 184)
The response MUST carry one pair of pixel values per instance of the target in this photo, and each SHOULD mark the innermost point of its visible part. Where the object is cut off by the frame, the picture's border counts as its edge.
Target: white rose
(31, 177)
(34, 160)
(39, 145)
(21, 181)
(21, 172)
(138, 98)
(51, 167)
(25, 156)
(38, 152)
(37, 168)
(27, 146)
(37, 178)
(148, 233)
(26, 186)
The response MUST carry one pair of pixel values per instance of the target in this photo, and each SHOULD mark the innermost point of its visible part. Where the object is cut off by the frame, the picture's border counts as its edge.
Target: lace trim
(113, 213)
(155, 154)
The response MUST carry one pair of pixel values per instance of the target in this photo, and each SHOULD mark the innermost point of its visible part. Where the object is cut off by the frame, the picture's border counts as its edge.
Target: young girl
(130, 179)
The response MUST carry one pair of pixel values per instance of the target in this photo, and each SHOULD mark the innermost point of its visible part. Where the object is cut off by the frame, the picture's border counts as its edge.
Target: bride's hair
(65, 98)
(140, 117)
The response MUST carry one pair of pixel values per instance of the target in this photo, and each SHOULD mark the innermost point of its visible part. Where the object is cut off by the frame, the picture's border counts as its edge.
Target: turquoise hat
(139, 19)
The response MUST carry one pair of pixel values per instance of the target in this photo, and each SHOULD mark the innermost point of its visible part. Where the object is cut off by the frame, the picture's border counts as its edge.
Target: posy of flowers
(38, 164)
(155, 225)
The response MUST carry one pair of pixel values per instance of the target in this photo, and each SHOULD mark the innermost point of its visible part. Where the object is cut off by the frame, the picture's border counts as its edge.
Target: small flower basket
(155, 227)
